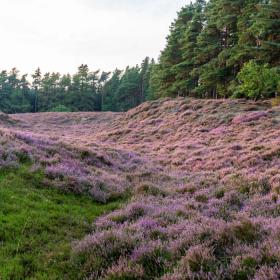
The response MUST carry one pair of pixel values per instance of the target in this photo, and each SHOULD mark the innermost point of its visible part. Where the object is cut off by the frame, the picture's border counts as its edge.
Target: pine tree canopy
(211, 42)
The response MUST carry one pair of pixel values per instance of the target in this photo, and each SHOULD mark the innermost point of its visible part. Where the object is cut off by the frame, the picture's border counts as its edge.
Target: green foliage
(247, 232)
(60, 108)
(210, 42)
(149, 189)
(257, 81)
(38, 225)
(154, 261)
(84, 91)
(125, 90)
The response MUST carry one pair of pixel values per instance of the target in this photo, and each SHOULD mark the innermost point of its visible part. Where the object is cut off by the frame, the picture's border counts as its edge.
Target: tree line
(215, 49)
(84, 91)
(222, 48)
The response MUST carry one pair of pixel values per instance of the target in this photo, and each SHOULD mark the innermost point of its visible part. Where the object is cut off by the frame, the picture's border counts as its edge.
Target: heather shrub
(8, 158)
(198, 259)
(98, 194)
(125, 270)
(187, 189)
(153, 257)
(201, 198)
(250, 188)
(267, 273)
(149, 189)
(23, 157)
(119, 218)
(264, 186)
(222, 242)
(233, 201)
(243, 267)
(158, 233)
(246, 231)
(180, 246)
(132, 213)
(219, 193)
(270, 253)
(249, 117)
(173, 276)
(150, 228)
(269, 156)
(85, 154)
(100, 251)
(274, 198)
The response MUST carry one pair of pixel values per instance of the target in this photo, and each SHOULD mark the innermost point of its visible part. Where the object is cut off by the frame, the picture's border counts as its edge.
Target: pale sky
(59, 35)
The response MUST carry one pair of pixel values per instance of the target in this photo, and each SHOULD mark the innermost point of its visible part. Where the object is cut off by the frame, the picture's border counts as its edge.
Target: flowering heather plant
(267, 273)
(125, 270)
(72, 168)
(202, 175)
(254, 116)
(11, 154)
(8, 158)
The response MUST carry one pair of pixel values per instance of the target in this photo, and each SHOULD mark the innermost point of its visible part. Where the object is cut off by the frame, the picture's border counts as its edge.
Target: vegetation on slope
(204, 180)
(38, 226)
(219, 219)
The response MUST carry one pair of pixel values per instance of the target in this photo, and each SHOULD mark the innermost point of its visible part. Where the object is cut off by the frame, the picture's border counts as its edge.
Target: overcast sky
(59, 35)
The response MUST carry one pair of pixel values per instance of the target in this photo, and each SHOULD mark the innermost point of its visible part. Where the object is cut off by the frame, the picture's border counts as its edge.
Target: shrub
(261, 187)
(249, 117)
(153, 257)
(60, 108)
(97, 253)
(23, 157)
(198, 258)
(132, 213)
(246, 231)
(220, 193)
(267, 273)
(201, 198)
(125, 270)
(257, 81)
(245, 267)
(275, 101)
(149, 189)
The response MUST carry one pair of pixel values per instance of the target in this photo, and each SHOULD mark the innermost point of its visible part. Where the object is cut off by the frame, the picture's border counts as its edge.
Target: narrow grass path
(37, 226)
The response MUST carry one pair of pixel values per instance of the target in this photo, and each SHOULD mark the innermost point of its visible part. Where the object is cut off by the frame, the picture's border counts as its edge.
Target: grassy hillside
(202, 177)
(37, 226)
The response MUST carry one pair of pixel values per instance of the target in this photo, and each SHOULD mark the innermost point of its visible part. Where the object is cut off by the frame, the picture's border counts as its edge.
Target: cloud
(60, 35)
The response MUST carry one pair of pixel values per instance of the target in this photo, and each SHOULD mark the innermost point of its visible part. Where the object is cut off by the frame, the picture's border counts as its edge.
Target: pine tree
(129, 89)
(207, 49)
(164, 75)
(37, 82)
(267, 30)
(109, 91)
(186, 81)
(209, 44)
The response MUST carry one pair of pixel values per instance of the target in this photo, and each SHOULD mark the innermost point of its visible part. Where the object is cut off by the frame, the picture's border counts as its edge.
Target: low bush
(149, 189)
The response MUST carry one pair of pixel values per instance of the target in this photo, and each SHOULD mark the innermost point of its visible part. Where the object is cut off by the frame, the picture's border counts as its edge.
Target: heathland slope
(185, 135)
(202, 176)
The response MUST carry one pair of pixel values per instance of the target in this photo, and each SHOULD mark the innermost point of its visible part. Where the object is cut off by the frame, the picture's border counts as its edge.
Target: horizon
(103, 34)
